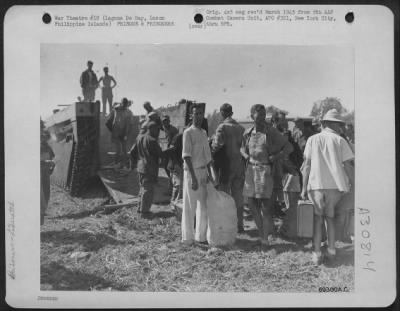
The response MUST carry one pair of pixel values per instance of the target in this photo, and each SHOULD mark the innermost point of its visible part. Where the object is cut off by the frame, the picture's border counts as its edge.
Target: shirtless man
(106, 90)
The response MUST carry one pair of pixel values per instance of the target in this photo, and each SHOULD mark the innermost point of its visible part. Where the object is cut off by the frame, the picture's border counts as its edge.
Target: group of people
(258, 164)
(89, 84)
(119, 123)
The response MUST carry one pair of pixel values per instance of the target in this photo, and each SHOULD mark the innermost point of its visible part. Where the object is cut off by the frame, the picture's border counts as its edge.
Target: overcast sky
(289, 77)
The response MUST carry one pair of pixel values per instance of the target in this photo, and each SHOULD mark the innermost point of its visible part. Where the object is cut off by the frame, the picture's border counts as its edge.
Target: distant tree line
(319, 108)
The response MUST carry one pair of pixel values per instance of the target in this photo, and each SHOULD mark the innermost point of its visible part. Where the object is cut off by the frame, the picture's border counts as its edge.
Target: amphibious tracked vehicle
(83, 148)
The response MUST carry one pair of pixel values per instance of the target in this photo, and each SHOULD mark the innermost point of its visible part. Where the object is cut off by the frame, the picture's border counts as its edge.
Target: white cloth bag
(222, 218)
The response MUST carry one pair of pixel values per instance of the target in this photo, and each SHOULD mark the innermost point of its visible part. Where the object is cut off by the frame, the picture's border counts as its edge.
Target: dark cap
(90, 62)
(125, 101)
(165, 117)
(226, 108)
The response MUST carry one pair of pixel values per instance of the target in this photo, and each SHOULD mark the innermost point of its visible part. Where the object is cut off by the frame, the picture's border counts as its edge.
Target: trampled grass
(81, 250)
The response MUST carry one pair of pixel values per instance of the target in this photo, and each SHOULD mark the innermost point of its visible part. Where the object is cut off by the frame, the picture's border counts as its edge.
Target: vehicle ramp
(124, 186)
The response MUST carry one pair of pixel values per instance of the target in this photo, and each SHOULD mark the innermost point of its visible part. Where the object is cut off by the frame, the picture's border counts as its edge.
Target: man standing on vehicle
(106, 90)
(89, 83)
(327, 171)
(229, 135)
(197, 172)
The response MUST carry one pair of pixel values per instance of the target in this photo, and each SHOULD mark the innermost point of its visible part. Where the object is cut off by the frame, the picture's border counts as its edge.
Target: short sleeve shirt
(149, 153)
(327, 152)
(195, 145)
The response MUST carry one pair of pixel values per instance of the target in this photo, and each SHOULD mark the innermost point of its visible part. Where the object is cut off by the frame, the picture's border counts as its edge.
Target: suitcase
(299, 222)
(305, 219)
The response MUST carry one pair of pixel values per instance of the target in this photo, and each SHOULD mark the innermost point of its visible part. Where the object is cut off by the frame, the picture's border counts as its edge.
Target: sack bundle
(222, 218)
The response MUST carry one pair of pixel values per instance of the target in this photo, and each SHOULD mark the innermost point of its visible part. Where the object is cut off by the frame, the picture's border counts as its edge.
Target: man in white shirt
(197, 172)
(327, 175)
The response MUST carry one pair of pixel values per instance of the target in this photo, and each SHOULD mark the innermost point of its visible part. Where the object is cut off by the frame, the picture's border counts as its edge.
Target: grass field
(85, 250)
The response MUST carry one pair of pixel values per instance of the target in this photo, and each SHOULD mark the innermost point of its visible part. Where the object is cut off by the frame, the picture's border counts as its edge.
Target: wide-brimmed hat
(332, 116)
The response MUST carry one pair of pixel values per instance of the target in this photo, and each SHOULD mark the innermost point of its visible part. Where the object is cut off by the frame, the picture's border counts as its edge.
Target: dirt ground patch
(83, 250)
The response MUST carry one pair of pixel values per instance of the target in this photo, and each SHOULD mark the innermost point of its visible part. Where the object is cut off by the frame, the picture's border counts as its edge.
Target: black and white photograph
(197, 168)
(199, 156)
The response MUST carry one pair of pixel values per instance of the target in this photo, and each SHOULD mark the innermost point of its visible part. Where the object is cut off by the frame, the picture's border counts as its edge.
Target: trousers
(107, 95)
(194, 204)
(234, 187)
(88, 94)
(121, 155)
(177, 183)
(262, 214)
(146, 192)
